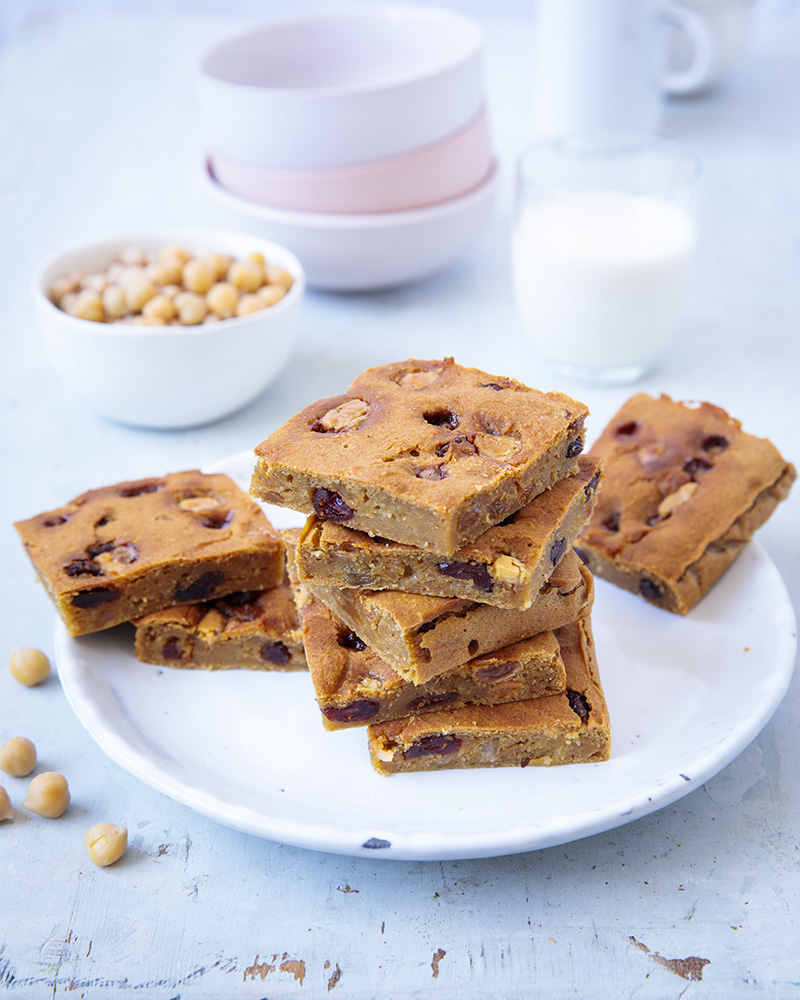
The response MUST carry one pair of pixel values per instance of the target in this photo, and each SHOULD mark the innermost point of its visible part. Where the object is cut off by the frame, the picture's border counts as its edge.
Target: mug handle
(695, 27)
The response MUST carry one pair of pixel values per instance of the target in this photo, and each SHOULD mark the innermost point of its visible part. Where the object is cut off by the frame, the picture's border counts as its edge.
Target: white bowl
(426, 176)
(169, 376)
(364, 252)
(333, 89)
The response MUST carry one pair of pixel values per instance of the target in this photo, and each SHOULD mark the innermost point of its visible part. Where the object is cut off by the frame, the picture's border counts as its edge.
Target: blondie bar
(116, 553)
(355, 686)
(258, 630)
(568, 728)
(422, 452)
(685, 489)
(506, 566)
(422, 637)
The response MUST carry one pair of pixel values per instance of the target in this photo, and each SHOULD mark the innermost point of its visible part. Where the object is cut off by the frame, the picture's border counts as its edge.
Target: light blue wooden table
(99, 133)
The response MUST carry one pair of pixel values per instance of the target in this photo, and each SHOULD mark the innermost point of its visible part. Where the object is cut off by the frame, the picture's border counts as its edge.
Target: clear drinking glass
(603, 238)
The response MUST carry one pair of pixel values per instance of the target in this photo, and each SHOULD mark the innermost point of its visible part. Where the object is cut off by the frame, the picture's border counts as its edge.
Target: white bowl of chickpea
(171, 329)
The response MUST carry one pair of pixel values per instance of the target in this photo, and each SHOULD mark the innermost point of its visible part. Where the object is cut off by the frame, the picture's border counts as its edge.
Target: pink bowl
(427, 176)
(327, 89)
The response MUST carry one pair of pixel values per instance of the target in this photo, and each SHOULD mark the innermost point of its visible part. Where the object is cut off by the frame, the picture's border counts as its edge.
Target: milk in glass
(601, 276)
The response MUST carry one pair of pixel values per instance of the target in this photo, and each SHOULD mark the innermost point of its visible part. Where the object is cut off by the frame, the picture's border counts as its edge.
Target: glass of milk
(602, 243)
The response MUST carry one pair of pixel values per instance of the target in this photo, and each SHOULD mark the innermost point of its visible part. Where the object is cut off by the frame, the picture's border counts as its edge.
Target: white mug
(602, 64)
(729, 25)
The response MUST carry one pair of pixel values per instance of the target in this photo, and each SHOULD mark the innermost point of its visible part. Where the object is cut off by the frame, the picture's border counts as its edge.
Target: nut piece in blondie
(506, 566)
(422, 637)
(427, 453)
(685, 489)
(256, 630)
(354, 686)
(119, 552)
(567, 728)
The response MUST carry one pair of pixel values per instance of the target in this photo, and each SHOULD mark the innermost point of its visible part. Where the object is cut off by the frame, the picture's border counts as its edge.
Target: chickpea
(145, 288)
(6, 812)
(153, 272)
(64, 285)
(48, 794)
(17, 756)
(114, 304)
(138, 289)
(160, 307)
(211, 318)
(125, 273)
(141, 320)
(116, 270)
(191, 308)
(197, 276)
(174, 252)
(88, 305)
(29, 666)
(278, 276)
(222, 299)
(169, 270)
(67, 303)
(249, 304)
(94, 282)
(106, 843)
(218, 262)
(270, 294)
(245, 275)
(137, 256)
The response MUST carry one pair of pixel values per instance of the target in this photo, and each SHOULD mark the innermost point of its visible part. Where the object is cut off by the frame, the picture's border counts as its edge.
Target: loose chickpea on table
(17, 757)
(106, 843)
(29, 666)
(172, 287)
(48, 795)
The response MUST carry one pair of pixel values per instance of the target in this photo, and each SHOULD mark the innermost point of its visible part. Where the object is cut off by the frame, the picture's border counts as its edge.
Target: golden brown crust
(506, 566)
(115, 553)
(421, 637)
(355, 686)
(257, 630)
(572, 727)
(685, 489)
(422, 452)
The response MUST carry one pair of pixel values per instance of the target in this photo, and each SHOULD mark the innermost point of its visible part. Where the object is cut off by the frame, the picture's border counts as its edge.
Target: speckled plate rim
(686, 695)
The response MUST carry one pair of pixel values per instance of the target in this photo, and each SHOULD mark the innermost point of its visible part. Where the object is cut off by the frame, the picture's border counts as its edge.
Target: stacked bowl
(357, 138)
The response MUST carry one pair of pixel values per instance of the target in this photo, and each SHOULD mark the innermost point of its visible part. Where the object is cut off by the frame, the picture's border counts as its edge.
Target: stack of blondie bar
(434, 591)
(441, 601)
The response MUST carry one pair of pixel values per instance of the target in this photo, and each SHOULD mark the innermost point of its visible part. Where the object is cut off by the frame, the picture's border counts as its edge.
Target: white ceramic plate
(685, 695)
